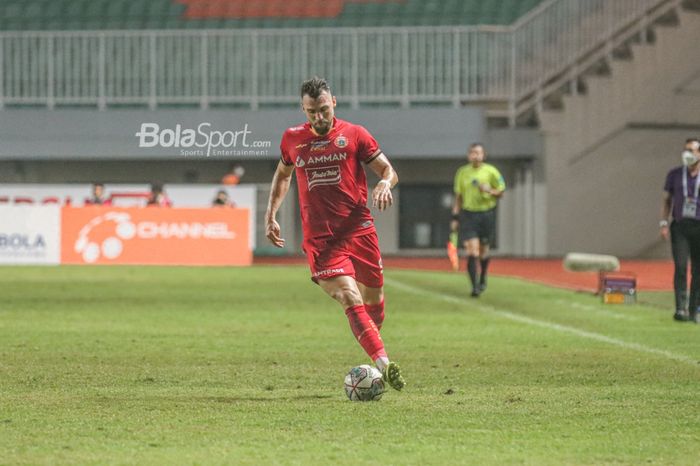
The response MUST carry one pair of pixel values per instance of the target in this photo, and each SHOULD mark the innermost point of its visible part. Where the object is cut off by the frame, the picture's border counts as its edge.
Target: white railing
(252, 67)
(262, 66)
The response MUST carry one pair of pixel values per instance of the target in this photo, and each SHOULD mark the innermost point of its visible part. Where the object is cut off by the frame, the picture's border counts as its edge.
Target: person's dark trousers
(484, 270)
(691, 229)
(472, 265)
(680, 248)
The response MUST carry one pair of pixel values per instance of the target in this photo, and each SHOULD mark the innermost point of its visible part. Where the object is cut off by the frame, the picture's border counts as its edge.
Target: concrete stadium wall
(90, 134)
(608, 151)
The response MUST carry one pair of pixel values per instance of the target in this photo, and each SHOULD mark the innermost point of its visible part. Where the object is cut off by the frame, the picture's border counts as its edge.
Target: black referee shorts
(480, 225)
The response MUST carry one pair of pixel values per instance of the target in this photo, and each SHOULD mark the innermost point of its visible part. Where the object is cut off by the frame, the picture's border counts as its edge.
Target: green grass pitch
(245, 366)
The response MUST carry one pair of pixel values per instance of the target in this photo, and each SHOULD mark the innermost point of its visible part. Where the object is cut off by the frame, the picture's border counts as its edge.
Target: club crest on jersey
(341, 142)
(319, 176)
(319, 145)
(299, 162)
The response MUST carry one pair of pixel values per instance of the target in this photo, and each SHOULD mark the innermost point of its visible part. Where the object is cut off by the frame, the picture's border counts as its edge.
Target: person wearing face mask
(681, 203)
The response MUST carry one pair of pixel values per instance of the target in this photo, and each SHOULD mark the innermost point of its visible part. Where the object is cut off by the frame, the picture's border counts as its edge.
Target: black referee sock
(471, 269)
(484, 268)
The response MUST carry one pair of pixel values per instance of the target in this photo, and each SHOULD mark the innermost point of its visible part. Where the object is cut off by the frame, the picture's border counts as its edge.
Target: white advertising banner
(30, 234)
(127, 195)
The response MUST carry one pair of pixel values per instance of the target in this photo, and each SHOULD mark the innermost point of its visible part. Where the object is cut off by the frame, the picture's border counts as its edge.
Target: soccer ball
(364, 383)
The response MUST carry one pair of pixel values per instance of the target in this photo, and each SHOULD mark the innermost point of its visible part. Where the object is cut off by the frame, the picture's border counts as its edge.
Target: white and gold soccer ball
(364, 383)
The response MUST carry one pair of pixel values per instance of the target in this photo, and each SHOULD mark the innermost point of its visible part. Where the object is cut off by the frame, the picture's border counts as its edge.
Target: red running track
(652, 275)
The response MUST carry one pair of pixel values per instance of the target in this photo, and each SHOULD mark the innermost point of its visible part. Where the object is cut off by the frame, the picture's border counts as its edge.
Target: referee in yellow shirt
(478, 186)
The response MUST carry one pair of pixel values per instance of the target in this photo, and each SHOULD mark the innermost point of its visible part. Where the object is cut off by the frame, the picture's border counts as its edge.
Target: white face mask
(689, 158)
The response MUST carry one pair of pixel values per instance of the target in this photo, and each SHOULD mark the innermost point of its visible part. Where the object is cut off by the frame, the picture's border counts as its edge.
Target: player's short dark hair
(314, 87)
(477, 144)
(689, 140)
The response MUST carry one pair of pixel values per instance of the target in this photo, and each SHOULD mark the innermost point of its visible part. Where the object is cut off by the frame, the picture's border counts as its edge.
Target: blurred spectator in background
(222, 200)
(98, 196)
(158, 197)
(234, 175)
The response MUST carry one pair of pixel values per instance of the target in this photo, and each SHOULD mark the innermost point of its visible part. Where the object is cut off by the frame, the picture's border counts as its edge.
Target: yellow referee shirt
(467, 182)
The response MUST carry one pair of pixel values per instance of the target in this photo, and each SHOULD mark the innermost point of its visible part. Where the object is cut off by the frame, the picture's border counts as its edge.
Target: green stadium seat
(10, 11)
(94, 10)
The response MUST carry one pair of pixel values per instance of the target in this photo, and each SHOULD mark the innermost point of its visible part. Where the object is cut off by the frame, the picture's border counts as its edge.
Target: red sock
(365, 331)
(376, 312)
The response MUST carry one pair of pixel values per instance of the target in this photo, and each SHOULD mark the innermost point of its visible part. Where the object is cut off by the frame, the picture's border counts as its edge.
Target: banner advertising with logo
(30, 235)
(181, 195)
(156, 236)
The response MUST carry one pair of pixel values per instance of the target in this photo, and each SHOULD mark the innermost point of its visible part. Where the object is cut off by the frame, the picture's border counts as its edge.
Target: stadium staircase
(608, 131)
(617, 86)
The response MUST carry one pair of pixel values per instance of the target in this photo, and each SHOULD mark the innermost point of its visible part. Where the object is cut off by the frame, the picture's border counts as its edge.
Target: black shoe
(476, 292)
(681, 315)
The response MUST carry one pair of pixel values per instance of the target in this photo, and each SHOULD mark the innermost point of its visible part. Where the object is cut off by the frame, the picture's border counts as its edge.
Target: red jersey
(331, 180)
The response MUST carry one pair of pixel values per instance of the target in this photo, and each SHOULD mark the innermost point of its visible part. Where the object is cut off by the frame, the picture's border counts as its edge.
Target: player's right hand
(272, 231)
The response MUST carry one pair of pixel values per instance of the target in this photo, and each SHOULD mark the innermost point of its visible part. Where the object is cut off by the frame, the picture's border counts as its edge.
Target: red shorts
(357, 257)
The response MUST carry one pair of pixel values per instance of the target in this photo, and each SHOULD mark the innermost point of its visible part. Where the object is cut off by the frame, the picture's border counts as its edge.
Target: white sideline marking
(589, 308)
(542, 323)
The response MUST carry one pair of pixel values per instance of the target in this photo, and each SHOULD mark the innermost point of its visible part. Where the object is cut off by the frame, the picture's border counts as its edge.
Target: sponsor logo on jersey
(299, 162)
(319, 145)
(341, 142)
(300, 146)
(319, 176)
(337, 157)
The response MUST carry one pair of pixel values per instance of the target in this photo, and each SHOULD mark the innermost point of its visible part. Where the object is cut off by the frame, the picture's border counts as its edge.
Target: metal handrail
(517, 64)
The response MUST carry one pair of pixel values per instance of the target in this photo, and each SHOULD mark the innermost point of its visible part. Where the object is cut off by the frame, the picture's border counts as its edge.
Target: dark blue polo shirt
(674, 186)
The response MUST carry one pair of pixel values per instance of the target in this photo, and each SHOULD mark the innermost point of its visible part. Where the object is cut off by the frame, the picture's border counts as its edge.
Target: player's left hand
(381, 195)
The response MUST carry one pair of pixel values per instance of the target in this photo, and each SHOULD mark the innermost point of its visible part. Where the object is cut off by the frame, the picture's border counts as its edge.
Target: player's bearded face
(319, 111)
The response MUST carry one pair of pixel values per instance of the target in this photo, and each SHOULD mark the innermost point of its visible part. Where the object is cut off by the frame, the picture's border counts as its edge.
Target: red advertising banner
(155, 235)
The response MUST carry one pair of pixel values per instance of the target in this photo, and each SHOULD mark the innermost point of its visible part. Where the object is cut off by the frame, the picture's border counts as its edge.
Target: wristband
(663, 223)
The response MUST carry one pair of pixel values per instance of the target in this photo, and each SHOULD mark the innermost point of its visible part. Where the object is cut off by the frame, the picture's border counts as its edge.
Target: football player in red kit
(340, 240)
